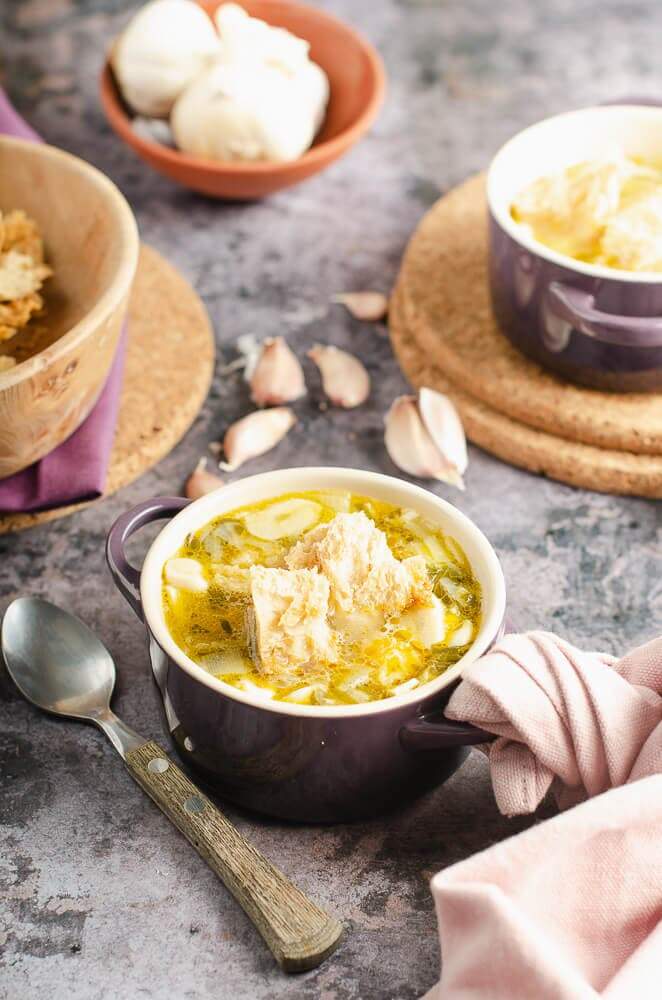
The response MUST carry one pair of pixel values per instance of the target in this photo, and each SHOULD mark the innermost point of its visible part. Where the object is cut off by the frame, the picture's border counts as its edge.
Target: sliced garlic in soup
(338, 500)
(302, 695)
(225, 662)
(427, 622)
(283, 520)
(462, 635)
(432, 548)
(255, 689)
(185, 574)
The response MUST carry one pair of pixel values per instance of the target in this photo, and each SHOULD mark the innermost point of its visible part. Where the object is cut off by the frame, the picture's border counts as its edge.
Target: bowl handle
(126, 576)
(577, 307)
(436, 732)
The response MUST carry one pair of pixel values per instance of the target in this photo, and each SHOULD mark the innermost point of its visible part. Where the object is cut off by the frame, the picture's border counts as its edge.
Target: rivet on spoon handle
(299, 934)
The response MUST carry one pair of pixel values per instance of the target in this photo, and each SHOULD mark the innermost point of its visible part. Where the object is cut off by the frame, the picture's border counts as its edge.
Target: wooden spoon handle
(299, 934)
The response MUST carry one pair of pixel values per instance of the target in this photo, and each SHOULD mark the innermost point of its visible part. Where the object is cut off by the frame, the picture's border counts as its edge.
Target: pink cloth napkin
(570, 909)
(76, 470)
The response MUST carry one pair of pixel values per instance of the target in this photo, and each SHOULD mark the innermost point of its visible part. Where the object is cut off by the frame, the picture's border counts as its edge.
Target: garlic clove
(201, 481)
(411, 446)
(278, 376)
(368, 306)
(443, 424)
(255, 434)
(344, 378)
(407, 441)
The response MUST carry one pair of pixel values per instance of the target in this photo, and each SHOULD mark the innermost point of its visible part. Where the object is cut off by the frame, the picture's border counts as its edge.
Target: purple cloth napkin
(76, 470)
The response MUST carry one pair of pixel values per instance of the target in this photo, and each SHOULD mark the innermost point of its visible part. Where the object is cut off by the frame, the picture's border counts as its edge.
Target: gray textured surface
(103, 898)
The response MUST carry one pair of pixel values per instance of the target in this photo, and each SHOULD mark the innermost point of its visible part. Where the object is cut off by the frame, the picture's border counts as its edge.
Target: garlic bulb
(425, 438)
(263, 99)
(249, 40)
(344, 378)
(367, 306)
(245, 37)
(164, 47)
(277, 377)
(255, 434)
(201, 481)
(243, 112)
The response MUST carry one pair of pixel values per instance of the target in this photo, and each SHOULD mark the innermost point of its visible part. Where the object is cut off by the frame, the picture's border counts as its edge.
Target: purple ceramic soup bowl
(303, 762)
(595, 325)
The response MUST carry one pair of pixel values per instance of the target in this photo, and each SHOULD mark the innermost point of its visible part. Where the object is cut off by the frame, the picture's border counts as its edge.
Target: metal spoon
(59, 665)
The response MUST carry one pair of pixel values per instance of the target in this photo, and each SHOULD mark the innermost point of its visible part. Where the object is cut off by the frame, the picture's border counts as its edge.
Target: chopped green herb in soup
(322, 598)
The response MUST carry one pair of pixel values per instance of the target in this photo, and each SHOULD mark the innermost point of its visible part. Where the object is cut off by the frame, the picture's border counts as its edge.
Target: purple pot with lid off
(304, 762)
(595, 325)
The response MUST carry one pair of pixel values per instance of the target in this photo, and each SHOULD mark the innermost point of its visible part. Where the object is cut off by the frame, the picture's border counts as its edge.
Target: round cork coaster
(444, 295)
(167, 374)
(583, 465)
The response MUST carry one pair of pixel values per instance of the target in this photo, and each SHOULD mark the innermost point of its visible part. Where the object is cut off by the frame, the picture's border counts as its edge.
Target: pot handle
(126, 576)
(436, 732)
(577, 307)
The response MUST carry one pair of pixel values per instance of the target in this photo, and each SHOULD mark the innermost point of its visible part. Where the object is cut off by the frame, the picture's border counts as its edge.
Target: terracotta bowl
(91, 243)
(357, 80)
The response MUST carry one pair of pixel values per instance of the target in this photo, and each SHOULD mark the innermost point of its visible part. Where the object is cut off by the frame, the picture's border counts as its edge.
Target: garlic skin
(255, 434)
(201, 481)
(427, 442)
(278, 376)
(164, 47)
(263, 99)
(153, 130)
(344, 378)
(371, 307)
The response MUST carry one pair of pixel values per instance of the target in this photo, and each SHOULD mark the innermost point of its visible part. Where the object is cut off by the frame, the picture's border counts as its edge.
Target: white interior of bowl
(558, 142)
(90, 237)
(480, 553)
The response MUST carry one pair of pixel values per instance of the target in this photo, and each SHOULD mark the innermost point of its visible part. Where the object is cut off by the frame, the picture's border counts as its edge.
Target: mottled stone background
(103, 898)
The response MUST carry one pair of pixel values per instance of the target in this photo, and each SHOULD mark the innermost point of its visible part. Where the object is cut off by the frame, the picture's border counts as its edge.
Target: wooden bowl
(91, 243)
(357, 81)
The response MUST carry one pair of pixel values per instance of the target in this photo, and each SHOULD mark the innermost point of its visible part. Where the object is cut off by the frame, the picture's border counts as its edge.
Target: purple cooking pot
(303, 762)
(592, 324)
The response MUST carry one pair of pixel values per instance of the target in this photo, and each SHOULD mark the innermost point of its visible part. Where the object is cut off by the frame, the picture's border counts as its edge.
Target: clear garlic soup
(322, 598)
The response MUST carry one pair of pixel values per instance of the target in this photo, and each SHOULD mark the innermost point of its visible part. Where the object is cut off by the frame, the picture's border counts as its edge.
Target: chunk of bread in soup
(322, 598)
(291, 609)
(354, 556)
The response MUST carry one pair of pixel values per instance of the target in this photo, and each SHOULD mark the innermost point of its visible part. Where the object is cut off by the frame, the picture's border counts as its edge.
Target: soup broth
(359, 600)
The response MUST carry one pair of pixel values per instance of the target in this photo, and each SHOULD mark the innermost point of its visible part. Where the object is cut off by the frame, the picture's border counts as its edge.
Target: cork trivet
(605, 470)
(168, 370)
(444, 290)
